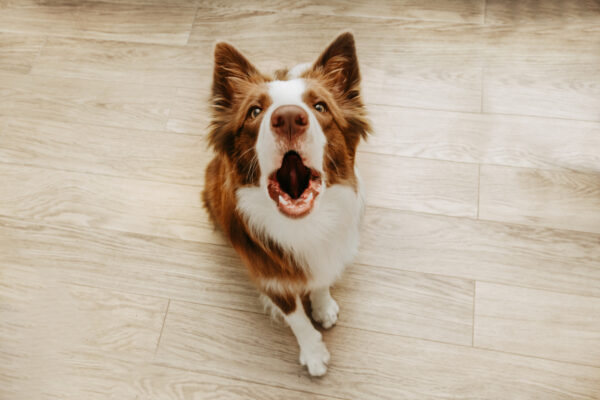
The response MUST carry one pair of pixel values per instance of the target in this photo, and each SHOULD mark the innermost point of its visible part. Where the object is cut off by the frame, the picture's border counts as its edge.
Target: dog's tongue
(293, 176)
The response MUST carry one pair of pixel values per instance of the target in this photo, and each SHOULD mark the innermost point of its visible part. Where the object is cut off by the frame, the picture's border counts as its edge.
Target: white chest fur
(324, 241)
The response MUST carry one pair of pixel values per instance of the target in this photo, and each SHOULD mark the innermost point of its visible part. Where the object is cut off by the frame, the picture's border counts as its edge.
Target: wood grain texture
(560, 199)
(419, 185)
(133, 263)
(539, 323)
(52, 334)
(482, 173)
(298, 37)
(85, 101)
(154, 64)
(203, 339)
(563, 261)
(150, 382)
(408, 304)
(117, 21)
(485, 138)
(553, 12)
(446, 86)
(190, 113)
(121, 204)
(127, 153)
(569, 91)
(466, 11)
(417, 305)
(17, 52)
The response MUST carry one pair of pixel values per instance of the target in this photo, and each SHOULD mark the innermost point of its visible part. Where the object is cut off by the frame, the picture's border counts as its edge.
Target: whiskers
(252, 168)
(337, 172)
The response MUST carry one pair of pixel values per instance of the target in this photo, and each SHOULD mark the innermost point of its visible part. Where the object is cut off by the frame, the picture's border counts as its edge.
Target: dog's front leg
(324, 307)
(313, 352)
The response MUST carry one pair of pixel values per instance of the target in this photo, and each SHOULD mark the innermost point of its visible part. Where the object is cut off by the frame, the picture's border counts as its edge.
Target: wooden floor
(479, 270)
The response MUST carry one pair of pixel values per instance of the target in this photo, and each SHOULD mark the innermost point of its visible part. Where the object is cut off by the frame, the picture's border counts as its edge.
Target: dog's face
(293, 135)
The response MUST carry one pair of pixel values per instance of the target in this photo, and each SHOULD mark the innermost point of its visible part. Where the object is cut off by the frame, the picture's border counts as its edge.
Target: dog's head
(294, 134)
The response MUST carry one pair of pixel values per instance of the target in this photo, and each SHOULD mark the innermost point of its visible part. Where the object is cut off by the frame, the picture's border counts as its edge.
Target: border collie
(283, 186)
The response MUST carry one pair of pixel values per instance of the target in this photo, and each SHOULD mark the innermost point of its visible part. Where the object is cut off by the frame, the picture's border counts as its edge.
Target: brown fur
(237, 87)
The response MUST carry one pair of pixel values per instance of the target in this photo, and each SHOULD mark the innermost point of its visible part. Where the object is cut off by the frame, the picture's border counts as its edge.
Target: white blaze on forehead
(287, 92)
(298, 70)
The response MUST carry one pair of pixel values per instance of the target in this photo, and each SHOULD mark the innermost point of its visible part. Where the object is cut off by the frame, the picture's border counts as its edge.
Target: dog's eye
(320, 107)
(255, 112)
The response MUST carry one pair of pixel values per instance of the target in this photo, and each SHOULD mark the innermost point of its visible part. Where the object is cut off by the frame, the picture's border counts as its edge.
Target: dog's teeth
(310, 196)
(282, 200)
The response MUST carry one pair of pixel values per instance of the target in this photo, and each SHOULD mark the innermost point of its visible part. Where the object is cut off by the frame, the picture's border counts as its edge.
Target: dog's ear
(339, 64)
(231, 68)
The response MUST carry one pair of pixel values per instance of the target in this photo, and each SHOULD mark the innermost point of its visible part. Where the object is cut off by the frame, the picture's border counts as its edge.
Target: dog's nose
(289, 121)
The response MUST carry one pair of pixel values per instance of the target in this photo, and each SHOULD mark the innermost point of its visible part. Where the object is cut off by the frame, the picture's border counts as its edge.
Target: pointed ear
(339, 64)
(231, 67)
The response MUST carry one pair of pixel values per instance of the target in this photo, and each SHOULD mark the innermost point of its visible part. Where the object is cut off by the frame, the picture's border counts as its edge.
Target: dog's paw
(315, 357)
(326, 312)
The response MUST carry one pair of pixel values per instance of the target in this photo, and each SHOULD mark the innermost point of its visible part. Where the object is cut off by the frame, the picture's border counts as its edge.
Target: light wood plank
(52, 332)
(159, 382)
(567, 91)
(153, 64)
(94, 201)
(85, 101)
(443, 87)
(563, 261)
(298, 38)
(203, 339)
(538, 323)
(377, 299)
(485, 138)
(545, 12)
(419, 185)
(128, 153)
(447, 86)
(406, 303)
(133, 263)
(464, 11)
(118, 21)
(560, 199)
(17, 52)
(190, 112)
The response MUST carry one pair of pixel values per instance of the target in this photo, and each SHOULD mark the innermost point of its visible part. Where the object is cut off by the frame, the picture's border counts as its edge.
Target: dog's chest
(324, 241)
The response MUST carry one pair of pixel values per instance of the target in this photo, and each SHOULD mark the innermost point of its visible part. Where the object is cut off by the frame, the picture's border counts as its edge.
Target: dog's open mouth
(294, 187)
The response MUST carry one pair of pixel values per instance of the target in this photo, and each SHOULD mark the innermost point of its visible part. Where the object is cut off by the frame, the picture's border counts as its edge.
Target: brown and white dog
(283, 186)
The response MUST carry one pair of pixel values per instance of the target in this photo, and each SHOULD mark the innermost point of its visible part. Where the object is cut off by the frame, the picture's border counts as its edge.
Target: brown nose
(289, 121)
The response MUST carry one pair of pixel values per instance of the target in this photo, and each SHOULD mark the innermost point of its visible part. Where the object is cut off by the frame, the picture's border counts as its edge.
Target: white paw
(315, 357)
(326, 313)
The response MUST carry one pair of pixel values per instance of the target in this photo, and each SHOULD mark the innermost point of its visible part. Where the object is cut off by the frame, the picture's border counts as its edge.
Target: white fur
(298, 70)
(324, 308)
(327, 238)
(313, 352)
(270, 149)
(322, 242)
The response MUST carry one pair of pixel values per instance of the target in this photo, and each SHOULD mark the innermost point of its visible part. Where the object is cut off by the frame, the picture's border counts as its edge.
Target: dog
(283, 186)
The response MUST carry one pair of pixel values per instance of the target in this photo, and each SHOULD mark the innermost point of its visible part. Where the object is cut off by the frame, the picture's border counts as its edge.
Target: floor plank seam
(90, 37)
(162, 328)
(473, 316)
(478, 189)
(496, 282)
(198, 186)
(483, 112)
(484, 12)
(596, 367)
(550, 168)
(359, 17)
